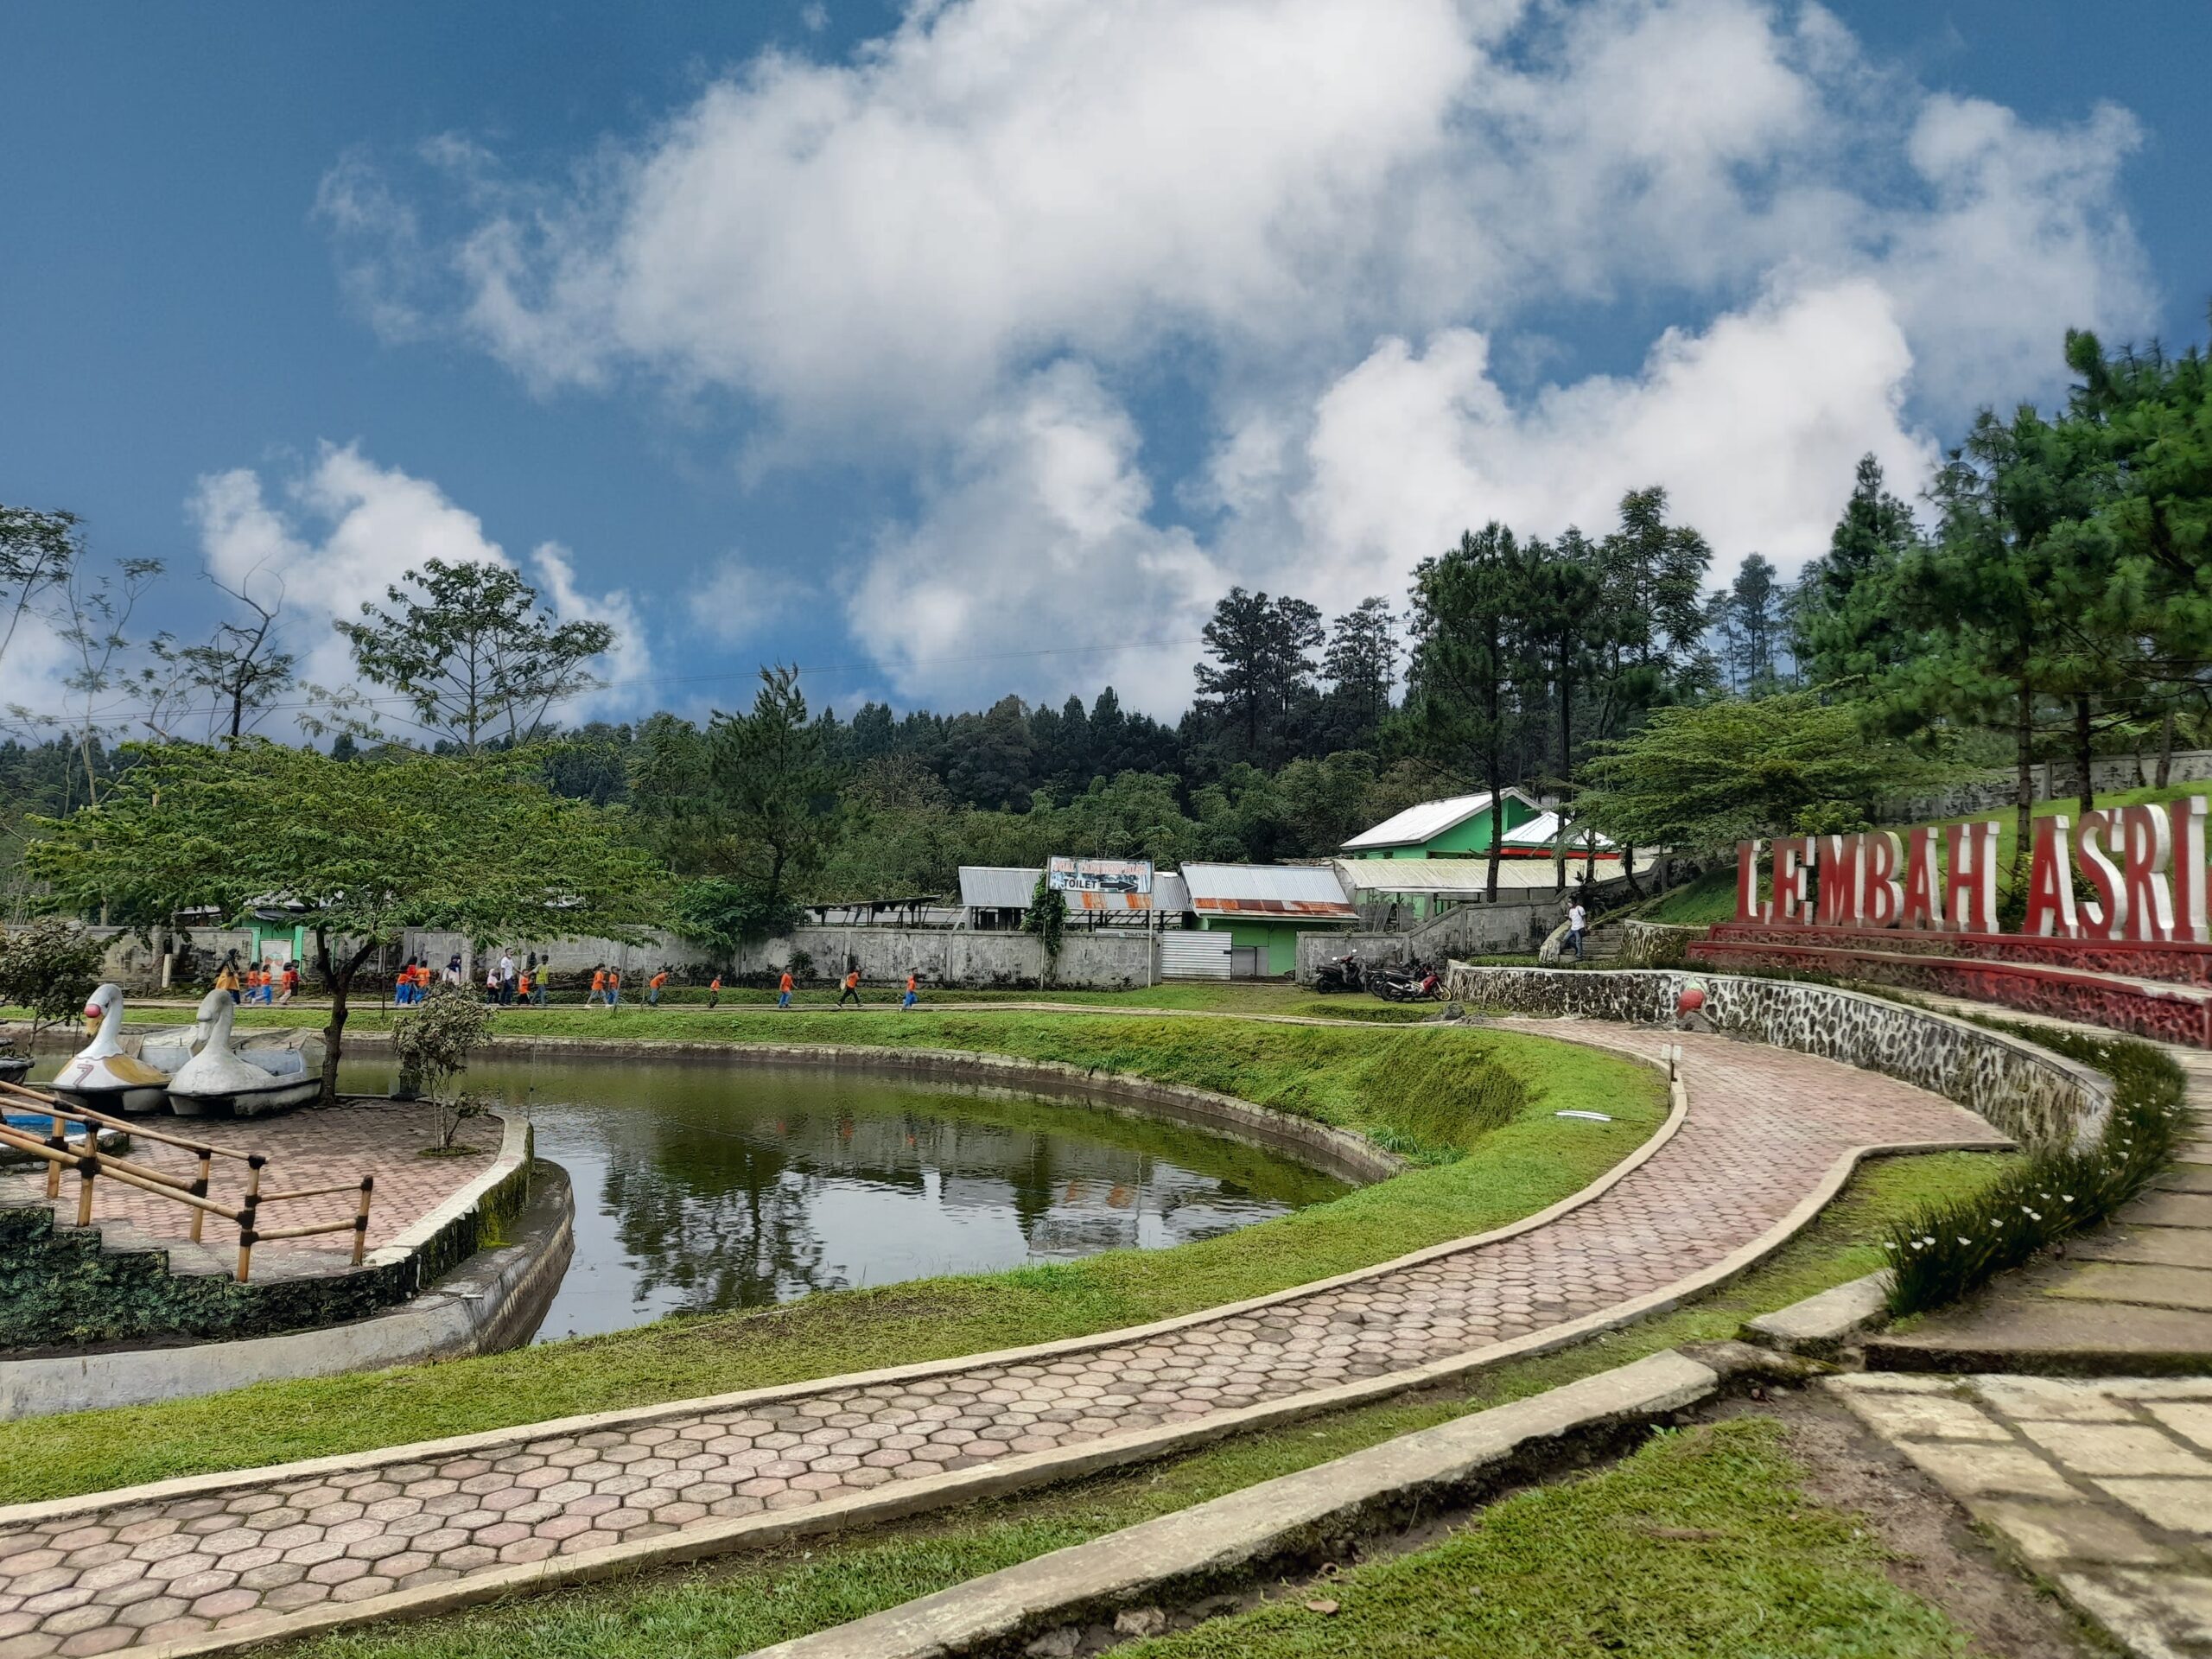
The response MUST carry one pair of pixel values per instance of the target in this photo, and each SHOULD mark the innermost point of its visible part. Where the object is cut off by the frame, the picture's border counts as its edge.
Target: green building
(1264, 907)
(1455, 828)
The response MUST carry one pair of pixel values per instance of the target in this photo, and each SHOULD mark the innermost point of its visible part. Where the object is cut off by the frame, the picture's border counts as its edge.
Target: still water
(703, 1186)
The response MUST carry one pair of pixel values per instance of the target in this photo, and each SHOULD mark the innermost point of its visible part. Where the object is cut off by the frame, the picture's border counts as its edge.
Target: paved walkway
(2104, 1488)
(274, 1550)
(307, 1150)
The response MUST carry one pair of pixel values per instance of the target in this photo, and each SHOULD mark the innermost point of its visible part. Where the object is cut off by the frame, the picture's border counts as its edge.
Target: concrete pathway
(1767, 1136)
(2102, 1488)
(2134, 1296)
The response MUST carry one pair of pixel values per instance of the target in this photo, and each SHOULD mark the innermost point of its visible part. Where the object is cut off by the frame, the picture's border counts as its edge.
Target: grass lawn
(1700, 1544)
(773, 1594)
(1475, 1108)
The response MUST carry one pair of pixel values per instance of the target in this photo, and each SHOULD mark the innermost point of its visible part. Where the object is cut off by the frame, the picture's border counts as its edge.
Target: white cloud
(1753, 426)
(1033, 567)
(1331, 221)
(344, 530)
(740, 599)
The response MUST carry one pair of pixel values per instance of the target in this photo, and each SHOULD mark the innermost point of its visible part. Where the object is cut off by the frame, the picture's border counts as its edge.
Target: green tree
(48, 968)
(1260, 679)
(1752, 618)
(364, 849)
(38, 553)
(769, 787)
(1996, 600)
(1700, 776)
(1846, 622)
(1468, 650)
(474, 653)
(2153, 414)
(434, 1040)
(1359, 667)
(1046, 919)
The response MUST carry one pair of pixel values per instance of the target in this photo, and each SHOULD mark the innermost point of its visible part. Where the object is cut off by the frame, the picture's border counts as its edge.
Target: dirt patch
(1933, 1551)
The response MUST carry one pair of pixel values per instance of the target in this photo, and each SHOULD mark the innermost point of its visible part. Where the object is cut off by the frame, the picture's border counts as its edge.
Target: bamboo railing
(90, 1164)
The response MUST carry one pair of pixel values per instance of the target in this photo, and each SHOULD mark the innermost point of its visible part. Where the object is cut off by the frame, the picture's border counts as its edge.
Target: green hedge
(1946, 1250)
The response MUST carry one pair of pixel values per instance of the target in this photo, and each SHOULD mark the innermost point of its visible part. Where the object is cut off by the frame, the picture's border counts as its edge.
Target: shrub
(1940, 1252)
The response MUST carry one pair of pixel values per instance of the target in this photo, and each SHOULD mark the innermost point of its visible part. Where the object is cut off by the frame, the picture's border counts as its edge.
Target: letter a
(2051, 882)
(1924, 895)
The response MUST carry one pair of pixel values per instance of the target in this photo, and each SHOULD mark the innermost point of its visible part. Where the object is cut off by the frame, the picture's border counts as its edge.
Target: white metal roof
(997, 887)
(1266, 890)
(1371, 878)
(1542, 829)
(1424, 822)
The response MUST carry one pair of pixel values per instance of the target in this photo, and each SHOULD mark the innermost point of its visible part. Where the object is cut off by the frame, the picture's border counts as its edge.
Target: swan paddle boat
(267, 1072)
(105, 1076)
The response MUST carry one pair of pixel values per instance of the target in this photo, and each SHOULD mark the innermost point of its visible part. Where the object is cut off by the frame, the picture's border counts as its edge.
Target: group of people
(505, 981)
(509, 983)
(272, 985)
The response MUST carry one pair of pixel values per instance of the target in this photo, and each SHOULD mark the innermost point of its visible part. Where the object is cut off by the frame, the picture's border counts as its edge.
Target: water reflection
(701, 1186)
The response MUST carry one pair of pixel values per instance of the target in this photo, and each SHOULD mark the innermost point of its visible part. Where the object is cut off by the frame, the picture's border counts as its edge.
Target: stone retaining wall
(2032, 1095)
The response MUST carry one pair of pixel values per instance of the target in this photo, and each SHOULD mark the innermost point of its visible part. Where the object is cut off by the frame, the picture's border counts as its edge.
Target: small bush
(1942, 1253)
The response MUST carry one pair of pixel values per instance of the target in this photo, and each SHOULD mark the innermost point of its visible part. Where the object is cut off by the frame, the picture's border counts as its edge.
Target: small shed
(1265, 907)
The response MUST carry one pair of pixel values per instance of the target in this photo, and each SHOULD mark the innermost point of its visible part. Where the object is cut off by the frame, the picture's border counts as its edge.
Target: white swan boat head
(265, 1073)
(103, 1076)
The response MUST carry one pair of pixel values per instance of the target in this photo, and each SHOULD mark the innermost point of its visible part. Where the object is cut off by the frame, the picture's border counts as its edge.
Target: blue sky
(976, 351)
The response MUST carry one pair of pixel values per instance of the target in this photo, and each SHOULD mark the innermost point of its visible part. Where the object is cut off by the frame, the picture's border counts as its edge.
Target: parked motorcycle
(1344, 974)
(1419, 983)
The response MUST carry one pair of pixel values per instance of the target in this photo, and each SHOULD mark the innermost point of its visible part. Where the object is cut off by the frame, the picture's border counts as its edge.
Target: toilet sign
(2142, 867)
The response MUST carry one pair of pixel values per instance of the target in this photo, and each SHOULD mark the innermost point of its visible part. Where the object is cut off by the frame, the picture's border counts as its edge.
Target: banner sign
(2142, 868)
(1099, 874)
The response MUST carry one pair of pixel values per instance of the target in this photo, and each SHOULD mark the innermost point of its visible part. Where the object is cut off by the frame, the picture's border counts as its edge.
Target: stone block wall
(2034, 1095)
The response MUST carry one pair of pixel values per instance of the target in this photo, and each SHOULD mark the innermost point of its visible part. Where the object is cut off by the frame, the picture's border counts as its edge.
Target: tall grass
(1943, 1251)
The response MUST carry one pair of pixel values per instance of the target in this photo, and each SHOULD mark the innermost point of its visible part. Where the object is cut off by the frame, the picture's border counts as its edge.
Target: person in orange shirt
(852, 988)
(784, 990)
(598, 987)
(614, 987)
(912, 996)
(291, 981)
(714, 991)
(654, 987)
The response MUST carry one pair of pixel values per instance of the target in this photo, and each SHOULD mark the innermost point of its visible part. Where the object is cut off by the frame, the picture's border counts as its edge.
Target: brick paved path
(306, 1149)
(1765, 1127)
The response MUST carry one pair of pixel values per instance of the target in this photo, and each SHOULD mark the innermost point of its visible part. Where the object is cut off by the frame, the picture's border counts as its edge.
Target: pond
(701, 1187)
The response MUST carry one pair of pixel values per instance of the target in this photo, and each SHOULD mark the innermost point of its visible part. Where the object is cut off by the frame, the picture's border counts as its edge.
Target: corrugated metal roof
(1417, 824)
(1368, 877)
(1268, 890)
(1542, 829)
(996, 886)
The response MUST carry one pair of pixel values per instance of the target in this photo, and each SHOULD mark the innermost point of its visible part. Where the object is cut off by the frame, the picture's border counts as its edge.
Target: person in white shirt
(1577, 920)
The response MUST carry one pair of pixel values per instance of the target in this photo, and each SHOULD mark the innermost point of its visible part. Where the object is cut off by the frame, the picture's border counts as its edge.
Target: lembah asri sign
(2142, 869)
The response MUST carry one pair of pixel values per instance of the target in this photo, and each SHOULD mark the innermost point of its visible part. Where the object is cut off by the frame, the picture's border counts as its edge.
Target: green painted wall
(1277, 941)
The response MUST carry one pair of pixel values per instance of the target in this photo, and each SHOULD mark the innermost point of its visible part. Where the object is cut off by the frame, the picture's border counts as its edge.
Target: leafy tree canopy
(362, 850)
(1704, 776)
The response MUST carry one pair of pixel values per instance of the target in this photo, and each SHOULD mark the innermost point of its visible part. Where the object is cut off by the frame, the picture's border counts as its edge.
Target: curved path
(1759, 1139)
